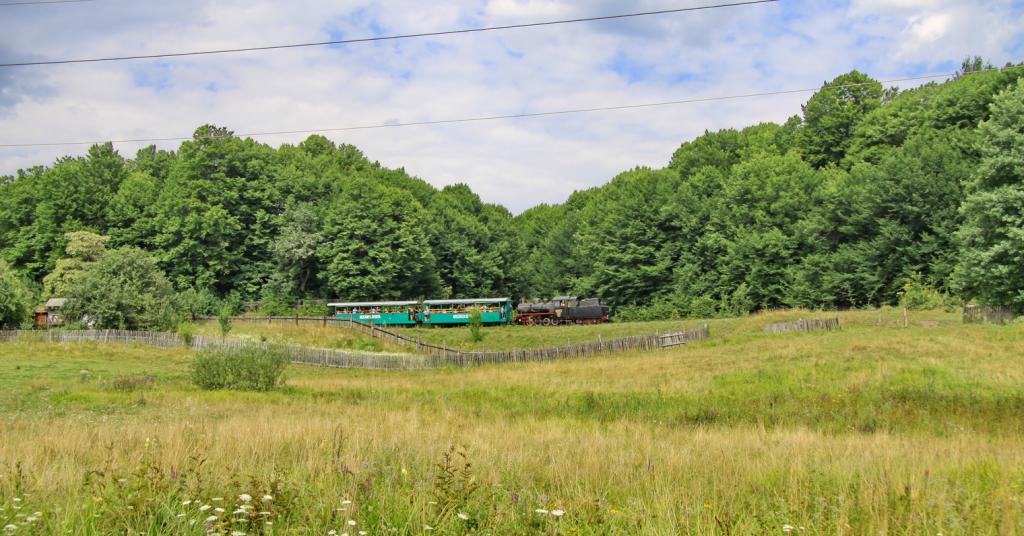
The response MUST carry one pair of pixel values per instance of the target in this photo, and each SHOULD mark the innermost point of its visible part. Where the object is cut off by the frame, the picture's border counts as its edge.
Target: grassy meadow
(874, 429)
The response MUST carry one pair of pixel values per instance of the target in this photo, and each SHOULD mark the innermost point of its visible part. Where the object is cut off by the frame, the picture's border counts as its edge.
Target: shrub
(476, 322)
(187, 332)
(124, 289)
(917, 295)
(248, 368)
(224, 319)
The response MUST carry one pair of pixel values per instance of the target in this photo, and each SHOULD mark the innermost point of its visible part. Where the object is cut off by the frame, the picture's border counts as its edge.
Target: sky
(790, 44)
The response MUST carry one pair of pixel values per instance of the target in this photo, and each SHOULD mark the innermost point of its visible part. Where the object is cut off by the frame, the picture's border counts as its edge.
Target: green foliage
(916, 295)
(193, 303)
(247, 368)
(224, 315)
(837, 207)
(476, 323)
(831, 115)
(15, 305)
(186, 330)
(124, 289)
(991, 236)
(83, 248)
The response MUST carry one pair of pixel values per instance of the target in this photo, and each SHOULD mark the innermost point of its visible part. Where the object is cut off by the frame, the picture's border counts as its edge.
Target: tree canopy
(867, 189)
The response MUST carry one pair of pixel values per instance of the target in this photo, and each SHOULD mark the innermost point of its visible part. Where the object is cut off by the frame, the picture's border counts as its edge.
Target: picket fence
(324, 357)
(820, 324)
(988, 314)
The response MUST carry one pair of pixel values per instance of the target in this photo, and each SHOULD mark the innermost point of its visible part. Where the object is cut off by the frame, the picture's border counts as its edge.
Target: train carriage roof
(467, 301)
(373, 304)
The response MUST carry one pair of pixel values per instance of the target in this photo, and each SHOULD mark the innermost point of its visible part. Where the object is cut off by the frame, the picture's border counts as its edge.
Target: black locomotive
(562, 310)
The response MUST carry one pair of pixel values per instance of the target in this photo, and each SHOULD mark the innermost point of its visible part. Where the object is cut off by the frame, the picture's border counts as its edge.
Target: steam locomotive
(562, 310)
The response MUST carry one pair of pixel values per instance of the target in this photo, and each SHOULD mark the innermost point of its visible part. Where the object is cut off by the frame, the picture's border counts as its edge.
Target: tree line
(865, 192)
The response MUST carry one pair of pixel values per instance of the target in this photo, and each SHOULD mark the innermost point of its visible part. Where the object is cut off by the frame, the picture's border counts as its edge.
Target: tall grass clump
(248, 368)
(224, 320)
(476, 323)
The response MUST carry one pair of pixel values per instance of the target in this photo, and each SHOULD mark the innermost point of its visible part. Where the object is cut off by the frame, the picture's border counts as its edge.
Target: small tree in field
(224, 319)
(476, 322)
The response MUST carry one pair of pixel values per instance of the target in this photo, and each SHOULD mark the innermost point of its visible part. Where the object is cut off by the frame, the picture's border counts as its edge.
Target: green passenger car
(456, 312)
(393, 313)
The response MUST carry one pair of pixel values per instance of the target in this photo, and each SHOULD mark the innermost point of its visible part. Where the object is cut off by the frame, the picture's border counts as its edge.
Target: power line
(387, 37)
(39, 2)
(491, 117)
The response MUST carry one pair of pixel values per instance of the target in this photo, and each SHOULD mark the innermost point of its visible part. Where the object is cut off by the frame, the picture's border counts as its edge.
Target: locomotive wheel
(547, 321)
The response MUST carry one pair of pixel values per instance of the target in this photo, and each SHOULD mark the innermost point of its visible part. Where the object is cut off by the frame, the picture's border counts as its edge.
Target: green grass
(873, 429)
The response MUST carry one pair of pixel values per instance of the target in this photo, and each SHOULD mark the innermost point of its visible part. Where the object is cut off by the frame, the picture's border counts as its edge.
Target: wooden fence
(645, 342)
(822, 324)
(323, 357)
(439, 356)
(988, 314)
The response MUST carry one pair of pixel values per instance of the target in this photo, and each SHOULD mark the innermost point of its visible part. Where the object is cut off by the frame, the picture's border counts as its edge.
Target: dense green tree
(83, 248)
(831, 115)
(15, 298)
(991, 268)
(376, 244)
(215, 218)
(124, 289)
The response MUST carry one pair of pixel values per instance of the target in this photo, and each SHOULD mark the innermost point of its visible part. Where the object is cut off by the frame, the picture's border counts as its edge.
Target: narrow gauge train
(428, 313)
(563, 310)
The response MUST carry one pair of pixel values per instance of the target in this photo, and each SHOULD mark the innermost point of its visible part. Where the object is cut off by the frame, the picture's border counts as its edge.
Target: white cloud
(517, 162)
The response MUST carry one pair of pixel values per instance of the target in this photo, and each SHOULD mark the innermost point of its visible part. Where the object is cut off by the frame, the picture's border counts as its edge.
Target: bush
(918, 296)
(187, 333)
(14, 299)
(476, 322)
(224, 320)
(124, 289)
(248, 368)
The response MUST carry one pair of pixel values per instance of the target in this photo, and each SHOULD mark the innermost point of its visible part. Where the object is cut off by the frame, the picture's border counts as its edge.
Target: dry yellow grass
(871, 430)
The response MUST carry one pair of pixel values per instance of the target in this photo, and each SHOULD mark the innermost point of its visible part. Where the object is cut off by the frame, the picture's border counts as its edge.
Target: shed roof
(55, 303)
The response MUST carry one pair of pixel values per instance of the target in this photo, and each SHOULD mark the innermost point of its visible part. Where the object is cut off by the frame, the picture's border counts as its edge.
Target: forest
(867, 192)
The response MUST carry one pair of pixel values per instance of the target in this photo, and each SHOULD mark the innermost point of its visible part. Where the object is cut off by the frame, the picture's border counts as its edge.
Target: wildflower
(427, 527)
(245, 497)
(219, 510)
(211, 519)
(351, 522)
(239, 511)
(179, 516)
(463, 517)
(204, 508)
(558, 513)
(347, 502)
(267, 498)
(186, 503)
(217, 499)
(332, 532)
(787, 528)
(269, 523)
(10, 528)
(237, 533)
(362, 533)
(264, 513)
(541, 511)
(15, 499)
